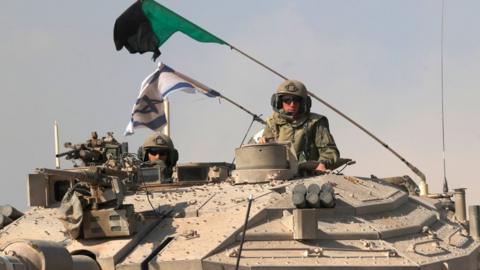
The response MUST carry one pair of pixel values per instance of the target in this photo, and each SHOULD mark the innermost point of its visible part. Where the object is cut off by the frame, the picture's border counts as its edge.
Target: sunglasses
(291, 99)
(155, 152)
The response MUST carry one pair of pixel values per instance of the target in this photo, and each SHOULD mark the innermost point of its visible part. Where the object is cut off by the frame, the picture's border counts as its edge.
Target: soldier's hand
(262, 140)
(321, 168)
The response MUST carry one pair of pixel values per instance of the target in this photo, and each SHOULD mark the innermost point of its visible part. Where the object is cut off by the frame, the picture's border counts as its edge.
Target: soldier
(158, 151)
(308, 132)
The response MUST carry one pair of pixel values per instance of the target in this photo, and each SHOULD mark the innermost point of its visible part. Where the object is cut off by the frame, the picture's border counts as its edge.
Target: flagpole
(421, 175)
(255, 117)
(206, 88)
(257, 61)
(57, 144)
(166, 128)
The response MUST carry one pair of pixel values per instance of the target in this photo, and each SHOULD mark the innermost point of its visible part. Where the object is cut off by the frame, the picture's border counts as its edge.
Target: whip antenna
(445, 183)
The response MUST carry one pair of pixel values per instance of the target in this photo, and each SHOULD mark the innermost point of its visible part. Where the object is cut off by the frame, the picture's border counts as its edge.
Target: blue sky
(377, 61)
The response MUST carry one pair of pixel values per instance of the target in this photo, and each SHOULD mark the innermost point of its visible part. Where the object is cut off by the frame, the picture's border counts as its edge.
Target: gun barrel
(116, 173)
(65, 153)
(84, 175)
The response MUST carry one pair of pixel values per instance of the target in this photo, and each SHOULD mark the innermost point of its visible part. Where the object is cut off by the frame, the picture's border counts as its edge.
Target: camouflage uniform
(309, 132)
(310, 136)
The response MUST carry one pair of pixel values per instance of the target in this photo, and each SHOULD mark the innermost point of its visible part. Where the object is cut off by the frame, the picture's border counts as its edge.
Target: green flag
(146, 25)
(166, 22)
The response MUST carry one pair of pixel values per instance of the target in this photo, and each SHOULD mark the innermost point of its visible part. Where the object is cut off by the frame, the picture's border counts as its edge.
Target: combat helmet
(160, 141)
(295, 88)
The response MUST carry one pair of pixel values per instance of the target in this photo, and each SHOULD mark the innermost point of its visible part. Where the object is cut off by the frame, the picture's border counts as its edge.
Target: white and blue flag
(148, 110)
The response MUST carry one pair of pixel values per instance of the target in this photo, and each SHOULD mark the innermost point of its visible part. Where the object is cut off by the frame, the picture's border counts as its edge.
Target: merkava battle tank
(115, 213)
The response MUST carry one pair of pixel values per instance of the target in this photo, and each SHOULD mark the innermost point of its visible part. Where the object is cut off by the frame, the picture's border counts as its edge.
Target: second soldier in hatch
(308, 132)
(158, 151)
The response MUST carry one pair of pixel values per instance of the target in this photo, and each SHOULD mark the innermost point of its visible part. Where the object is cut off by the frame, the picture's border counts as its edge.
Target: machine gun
(96, 151)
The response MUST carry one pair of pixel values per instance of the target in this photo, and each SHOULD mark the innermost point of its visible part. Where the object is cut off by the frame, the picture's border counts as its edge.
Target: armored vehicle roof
(200, 227)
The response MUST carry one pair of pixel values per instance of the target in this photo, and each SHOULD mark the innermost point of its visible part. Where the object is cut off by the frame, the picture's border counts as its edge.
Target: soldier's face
(291, 104)
(154, 155)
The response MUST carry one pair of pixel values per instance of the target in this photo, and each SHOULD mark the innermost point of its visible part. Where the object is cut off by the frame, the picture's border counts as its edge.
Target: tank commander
(308, 132)
(158, 151)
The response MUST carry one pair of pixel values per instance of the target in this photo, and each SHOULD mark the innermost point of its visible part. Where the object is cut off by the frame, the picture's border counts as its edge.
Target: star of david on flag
(149, 111)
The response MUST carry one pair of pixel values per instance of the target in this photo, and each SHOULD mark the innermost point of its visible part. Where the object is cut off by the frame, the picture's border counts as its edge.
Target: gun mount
(96, 151)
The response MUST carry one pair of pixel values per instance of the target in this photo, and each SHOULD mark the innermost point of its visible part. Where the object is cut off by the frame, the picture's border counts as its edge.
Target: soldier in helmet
(308, 132)
(158, 151)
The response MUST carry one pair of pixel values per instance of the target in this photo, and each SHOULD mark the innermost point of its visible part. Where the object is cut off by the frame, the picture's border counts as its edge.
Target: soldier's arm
(268, 134)
(328, 151)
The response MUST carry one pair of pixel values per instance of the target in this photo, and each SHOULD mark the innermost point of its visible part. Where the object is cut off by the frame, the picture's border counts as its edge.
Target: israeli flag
(149, 111)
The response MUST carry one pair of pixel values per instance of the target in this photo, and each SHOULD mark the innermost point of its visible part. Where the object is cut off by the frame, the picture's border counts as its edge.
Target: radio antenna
(445, 183)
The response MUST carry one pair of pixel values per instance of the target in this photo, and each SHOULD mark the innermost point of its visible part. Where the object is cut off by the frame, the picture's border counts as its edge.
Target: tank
(110, 213)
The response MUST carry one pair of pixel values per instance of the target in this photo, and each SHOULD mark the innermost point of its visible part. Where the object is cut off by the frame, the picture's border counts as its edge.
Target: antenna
(445, 183)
